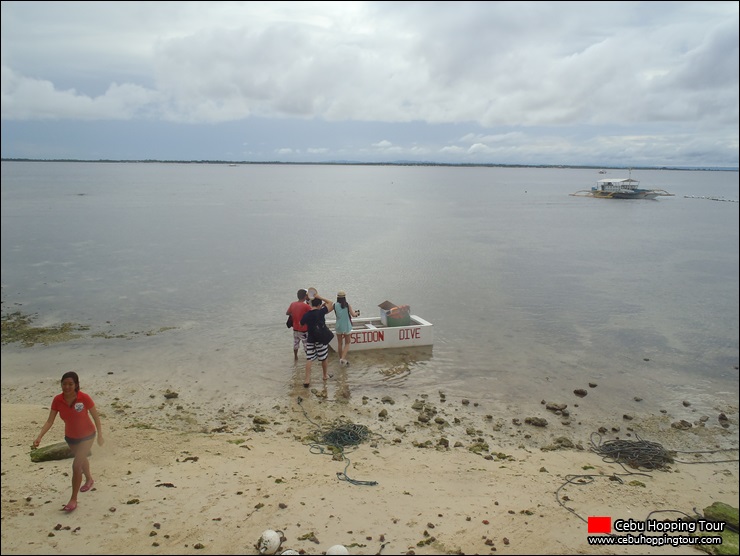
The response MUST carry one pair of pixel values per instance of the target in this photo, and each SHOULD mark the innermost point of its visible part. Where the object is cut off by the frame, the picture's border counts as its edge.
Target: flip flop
(328, 377)
(306, 385)
(70, 507)
(87, 486)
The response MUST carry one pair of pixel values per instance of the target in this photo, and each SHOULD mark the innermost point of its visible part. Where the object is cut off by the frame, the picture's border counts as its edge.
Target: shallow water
(533, 293)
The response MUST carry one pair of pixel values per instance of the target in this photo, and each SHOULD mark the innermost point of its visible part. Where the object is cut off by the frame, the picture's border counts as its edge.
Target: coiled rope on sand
(338, 438)
(638, 454)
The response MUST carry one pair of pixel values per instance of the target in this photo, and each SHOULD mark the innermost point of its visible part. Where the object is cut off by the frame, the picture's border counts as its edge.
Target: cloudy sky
(572, 83)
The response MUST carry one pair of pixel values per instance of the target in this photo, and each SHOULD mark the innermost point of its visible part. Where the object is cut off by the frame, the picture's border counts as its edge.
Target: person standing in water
(344, 313)
(315, 350)
(75, 407)
(296, 310)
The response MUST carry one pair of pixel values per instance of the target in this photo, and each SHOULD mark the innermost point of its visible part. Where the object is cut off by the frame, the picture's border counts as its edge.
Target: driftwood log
(60, 450)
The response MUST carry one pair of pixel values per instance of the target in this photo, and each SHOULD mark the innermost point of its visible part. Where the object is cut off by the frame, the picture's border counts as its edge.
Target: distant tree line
(356, 163)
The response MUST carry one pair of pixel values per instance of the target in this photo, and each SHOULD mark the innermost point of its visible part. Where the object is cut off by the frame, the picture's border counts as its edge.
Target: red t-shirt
(77, 421)
(298, 309)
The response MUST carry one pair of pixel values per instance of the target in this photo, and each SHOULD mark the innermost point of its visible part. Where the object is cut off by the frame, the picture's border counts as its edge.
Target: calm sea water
(532, 292)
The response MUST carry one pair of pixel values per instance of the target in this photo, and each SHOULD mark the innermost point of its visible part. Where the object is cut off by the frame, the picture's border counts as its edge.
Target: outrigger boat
(621, 188)
(371, 333)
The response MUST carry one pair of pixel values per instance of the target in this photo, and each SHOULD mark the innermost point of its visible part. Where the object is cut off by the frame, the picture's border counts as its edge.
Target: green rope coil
(343, 435)
(346, 434)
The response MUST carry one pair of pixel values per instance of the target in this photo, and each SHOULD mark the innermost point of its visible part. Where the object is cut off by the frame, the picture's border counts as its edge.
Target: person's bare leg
(88, 476)
(79, 464)
(325, 368)
(346, 349)
(307, 381)
(339, 347)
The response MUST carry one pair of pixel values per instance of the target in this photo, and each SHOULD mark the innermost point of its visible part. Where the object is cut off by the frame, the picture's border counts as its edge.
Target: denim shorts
(73, 441)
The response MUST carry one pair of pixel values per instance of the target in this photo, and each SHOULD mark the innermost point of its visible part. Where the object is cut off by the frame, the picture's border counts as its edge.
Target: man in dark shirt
(314, 348)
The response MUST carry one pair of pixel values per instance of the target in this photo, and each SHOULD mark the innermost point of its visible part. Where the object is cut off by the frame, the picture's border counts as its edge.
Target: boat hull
(637, 194)
(370, 333)
(621, 188)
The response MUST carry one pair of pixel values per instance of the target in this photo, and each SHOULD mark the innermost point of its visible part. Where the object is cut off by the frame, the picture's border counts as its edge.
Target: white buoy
(337, 549)
(269, 542)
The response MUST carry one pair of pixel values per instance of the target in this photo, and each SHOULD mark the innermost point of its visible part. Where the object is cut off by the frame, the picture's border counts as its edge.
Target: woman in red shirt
(75, 408)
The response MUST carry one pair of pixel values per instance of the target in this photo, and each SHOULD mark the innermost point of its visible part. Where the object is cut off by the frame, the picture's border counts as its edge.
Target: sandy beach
(422, 475)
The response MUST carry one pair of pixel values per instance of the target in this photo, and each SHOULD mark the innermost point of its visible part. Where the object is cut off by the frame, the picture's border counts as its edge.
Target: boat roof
(620, 180)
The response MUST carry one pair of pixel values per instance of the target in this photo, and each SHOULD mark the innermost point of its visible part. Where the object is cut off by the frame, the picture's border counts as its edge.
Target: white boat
(371, 333)
(620, 188)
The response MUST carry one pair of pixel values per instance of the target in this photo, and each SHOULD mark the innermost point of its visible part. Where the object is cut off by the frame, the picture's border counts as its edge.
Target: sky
(612, 84)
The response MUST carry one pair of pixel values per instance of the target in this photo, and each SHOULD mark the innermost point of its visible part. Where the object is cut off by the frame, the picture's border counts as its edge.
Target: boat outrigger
(621, 188)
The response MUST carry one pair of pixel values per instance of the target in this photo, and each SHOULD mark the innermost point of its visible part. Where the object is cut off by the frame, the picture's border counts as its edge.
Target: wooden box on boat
(393, 315)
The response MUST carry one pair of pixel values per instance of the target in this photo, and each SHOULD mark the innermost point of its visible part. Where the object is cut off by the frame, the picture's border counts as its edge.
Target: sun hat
(341, 293)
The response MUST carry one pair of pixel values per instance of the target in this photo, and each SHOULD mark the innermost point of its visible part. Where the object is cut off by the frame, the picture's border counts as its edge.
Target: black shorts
(73, 441)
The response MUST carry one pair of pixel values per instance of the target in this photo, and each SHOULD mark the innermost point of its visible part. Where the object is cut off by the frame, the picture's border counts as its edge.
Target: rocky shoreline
(432, 474)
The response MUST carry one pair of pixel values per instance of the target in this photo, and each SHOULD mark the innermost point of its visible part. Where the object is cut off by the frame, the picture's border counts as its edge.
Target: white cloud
(502, 68)
(32, 99)
(383, 144)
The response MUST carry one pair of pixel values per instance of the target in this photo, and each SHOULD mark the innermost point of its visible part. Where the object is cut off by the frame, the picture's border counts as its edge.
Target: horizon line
(357, 163)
